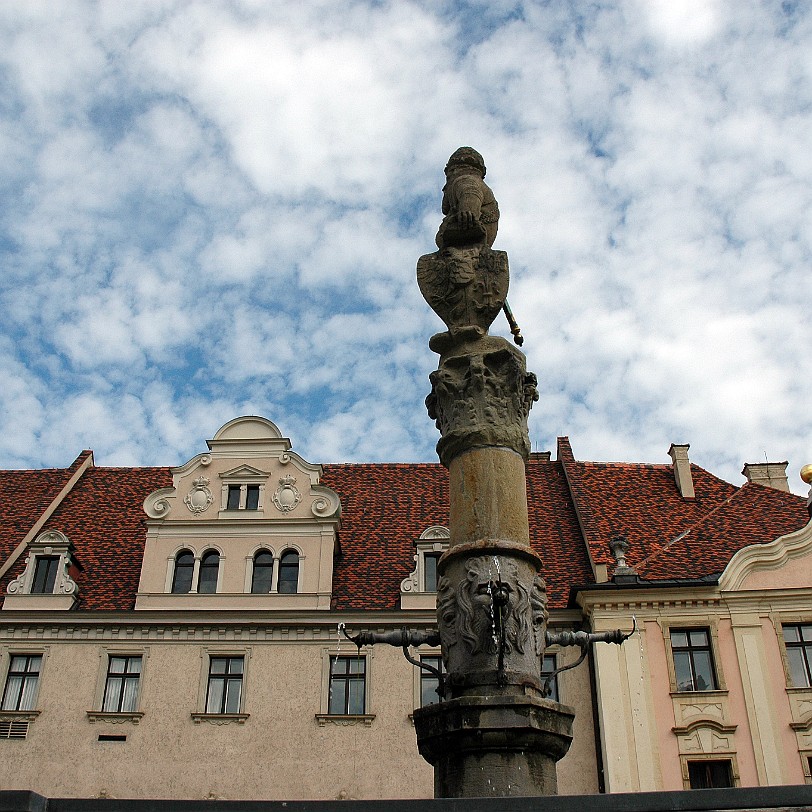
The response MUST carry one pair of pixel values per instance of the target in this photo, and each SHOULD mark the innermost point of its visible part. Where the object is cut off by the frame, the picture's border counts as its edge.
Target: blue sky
(216, 208)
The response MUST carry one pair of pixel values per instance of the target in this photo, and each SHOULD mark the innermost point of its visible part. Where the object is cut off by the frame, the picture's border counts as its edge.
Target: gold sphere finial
(806, 474)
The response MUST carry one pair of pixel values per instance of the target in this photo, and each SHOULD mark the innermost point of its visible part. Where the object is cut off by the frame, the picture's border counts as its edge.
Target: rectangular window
(21, 683)
(693, 661)
(225, 685)
(430, 571)
(430, 682)
(121, 685)
(798, 641)
(252, 497)
(45, 574)
(233, 497)
(710, 773)
(347, 686)
(548, 666)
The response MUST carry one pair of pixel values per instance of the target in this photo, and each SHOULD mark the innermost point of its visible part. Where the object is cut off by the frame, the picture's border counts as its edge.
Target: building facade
(173, 632)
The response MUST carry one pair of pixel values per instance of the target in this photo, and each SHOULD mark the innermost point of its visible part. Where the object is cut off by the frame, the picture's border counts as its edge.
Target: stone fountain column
(494, 734)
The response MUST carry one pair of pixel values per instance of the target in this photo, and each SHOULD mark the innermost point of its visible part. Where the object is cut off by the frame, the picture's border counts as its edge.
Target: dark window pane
(288, 572)
(703, 671)
(430, 571)
(798, 639)
(45, 574)
(679, 639)
(184, 569)
(209, 567)
(429, 682)
(682, 668)
(233, 497)
(699, 637)
(707, 774)
(263, 573)
(252, 497)
(548, 665)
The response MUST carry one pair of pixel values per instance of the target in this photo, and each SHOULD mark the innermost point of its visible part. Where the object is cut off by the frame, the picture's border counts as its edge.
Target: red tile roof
(574, 508)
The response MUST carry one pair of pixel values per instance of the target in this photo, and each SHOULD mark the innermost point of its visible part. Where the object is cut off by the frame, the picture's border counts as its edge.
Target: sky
(210, 209)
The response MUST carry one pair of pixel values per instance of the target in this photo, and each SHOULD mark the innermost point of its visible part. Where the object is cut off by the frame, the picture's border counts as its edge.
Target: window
(548, 666)
(288, 572)
(710, 773)
(121, 685)
(20, 692)
(347, 686)
(184, 570)
(428, 681)
(262, 576)
(45, 572)
(209, 569)
(798, 641)
(430, 572)
(224, 690)
(242, 497)
(693, 661)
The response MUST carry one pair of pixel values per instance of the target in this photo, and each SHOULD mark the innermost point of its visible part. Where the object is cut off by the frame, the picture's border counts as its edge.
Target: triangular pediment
(245, 473)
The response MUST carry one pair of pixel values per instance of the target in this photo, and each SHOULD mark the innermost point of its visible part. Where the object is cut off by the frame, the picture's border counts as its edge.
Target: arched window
(263, 572)
(288, 572)
(184, 569)
(209, 567)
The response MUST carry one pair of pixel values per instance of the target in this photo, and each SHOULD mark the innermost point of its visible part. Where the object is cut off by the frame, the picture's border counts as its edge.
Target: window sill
(220, 718)
(345, 719)
(720, 692)
(114, 718)
(19, 716)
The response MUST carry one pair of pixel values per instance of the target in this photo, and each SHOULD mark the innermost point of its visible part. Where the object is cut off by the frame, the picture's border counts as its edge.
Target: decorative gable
(249, 499)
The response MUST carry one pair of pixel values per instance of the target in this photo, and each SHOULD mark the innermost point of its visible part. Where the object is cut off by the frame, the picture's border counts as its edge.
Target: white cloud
(214, 208)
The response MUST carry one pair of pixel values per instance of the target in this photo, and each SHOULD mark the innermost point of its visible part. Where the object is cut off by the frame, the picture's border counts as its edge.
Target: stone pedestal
(498, 746)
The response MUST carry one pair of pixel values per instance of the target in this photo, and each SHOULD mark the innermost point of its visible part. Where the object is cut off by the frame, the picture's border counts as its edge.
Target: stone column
(494, 734)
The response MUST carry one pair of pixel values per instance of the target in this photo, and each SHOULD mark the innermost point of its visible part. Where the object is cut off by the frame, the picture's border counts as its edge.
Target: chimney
(682, 470)
(769, 474)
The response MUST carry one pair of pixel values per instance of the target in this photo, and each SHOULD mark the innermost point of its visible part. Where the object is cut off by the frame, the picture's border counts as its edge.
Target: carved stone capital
(482, 399)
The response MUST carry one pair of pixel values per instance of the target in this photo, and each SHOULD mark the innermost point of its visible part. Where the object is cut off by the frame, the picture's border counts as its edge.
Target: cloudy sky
(210, 209)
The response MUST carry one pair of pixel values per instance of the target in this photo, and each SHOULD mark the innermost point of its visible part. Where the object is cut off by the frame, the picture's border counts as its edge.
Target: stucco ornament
(200, 497)
(287, 495)
(465, 611)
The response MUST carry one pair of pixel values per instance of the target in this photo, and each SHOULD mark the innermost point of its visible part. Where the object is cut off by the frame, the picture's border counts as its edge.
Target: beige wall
(280, 752)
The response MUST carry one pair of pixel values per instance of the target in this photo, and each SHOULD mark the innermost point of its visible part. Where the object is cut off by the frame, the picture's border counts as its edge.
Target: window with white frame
(49, 568)
(22, 682)
(192, 575)
(432, 543)
(243, 489)
(224, 685)
(272, 574)
(430, 681)
(121, 684)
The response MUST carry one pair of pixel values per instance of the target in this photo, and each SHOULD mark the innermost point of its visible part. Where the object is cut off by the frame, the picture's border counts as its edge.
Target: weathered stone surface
(464, 286)
(481, 399)
(492, 615)
(494, 746)
(470, 209)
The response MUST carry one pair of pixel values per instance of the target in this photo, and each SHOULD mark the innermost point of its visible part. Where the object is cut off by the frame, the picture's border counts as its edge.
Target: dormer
(245, 526)
(418, 590)
(46, 582)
